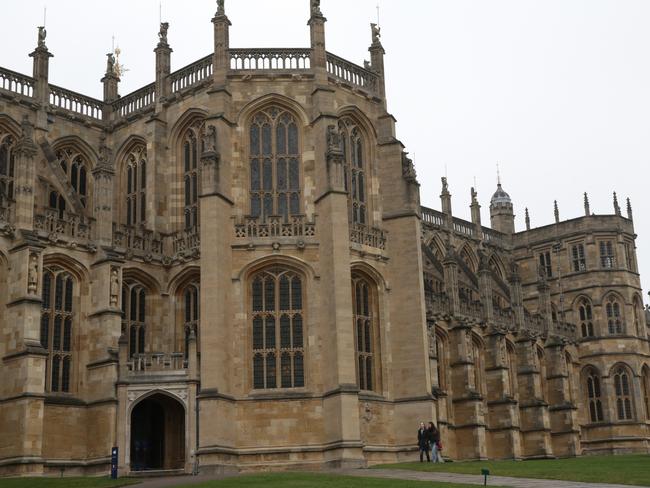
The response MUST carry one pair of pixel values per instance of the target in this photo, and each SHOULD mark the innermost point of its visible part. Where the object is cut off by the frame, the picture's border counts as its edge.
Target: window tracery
(614, 316)
(578, 258)
(7, 163)
(75, 165)
(190, 158)
(365, 330)
(57, 317)
(274, 164)
(585, 315)
(136, 185)
(354, 170)
(277, 329)
(134, 299)
(607, 256)
(594, 396)
(622, 388)
(191, 314)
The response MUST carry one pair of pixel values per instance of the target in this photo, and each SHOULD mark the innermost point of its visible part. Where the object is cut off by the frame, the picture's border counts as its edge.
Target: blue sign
(114, 463)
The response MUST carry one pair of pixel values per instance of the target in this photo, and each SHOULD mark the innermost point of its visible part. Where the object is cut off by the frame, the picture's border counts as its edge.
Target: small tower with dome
(502, 215)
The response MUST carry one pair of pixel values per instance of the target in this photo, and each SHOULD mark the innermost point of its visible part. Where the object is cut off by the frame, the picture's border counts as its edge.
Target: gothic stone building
(230, 268)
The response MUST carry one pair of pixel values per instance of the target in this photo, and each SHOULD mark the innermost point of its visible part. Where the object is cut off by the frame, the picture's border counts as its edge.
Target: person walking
(434, 442)
(423, 442)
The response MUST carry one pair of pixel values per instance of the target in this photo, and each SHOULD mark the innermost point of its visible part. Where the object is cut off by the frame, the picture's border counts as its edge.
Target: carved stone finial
(617, 208)
(42, 34)
(445, 185)
(110, 64)
(408, 169)
(376, 34)
(315, 8)
(32, 274)
(367, 65)
(209, 139)
(527, 219)
(556, 211)
(474, 195)
(587, 208)
(221, 8)
(629, 209)
(162, 34)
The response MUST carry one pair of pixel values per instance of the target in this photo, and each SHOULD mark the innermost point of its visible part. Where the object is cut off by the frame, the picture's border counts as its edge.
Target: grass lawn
(312, 480)
(64, 482)
(624, 470)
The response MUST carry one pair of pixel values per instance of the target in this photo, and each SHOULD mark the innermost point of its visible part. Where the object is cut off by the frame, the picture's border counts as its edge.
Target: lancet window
(355, 170)
(274, 164)
(136, 185)
(585, 315)
(607, 256)
(191, 314)
(622, 388)
(190, 157)
(7, 163)
(277, 329)
(614, 317)
(578, 259)
(594, 396)
(365, 332)
(57, 317)
(56, 202)
(75, 165)
(134, 299)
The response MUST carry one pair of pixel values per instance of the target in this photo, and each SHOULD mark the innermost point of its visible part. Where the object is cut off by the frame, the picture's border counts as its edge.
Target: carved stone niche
(114, 289)
(32, 274)
(210, 159)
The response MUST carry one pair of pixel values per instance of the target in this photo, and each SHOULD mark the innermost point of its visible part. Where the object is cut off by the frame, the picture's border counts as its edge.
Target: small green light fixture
(485, 473)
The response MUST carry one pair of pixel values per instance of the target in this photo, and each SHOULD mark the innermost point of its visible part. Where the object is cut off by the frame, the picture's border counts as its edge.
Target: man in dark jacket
(423, 441)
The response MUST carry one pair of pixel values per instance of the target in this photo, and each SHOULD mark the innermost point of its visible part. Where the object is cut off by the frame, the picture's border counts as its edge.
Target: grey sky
(555, 90)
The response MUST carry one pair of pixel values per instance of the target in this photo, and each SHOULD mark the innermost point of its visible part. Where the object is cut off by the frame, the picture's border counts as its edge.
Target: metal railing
(352, 74)
(191, 75)
(76, 102)
(16, 83)
(270, 59)
(138, 101)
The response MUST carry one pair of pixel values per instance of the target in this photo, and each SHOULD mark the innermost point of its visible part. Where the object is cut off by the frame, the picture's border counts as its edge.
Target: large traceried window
(136, 185)
(614, 316)
(7, 163)
(191, 314)
(134, 298)
(190, 159)
(274, 164)
(277, 329)
(75, 165)
(594, 395)
(355, 170)
(57, 316)
(364, 303)
(622, 388)
(585, 315)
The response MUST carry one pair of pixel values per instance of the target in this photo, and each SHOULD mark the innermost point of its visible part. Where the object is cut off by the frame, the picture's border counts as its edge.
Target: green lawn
(64, 482)
(624, 470)
(312, 480)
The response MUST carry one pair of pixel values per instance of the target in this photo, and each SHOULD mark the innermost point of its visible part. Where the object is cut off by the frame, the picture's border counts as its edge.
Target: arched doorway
(157, 434)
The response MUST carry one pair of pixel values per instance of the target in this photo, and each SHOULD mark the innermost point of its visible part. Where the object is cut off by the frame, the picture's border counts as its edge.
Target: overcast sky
(556, 91)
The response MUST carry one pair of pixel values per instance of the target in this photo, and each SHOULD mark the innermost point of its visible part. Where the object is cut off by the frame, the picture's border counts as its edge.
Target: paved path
(471, 479)
(401, 474)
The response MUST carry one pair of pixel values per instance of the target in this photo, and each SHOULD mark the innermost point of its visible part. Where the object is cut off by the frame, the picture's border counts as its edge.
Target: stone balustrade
(275, 226)
(58, 225)
(186, 242)
(270, 59)
(76, 103)
(368, 236)
(137, 240)
(351, 74)
(156, 363)
(191, 75)
(134, 103)
(17, 83)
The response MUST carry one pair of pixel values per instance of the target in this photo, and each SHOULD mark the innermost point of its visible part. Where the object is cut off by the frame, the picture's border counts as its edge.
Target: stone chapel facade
(230, 268)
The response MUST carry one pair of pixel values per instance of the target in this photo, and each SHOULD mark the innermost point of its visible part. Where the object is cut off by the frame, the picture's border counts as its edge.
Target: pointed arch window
(57, 317)
(134, 300)
(75, 166)
(585, 315)
(277, 329)
(136, 185)
(56, 202)
(645, 378)
(355, 170)
(190, 157)
(366, 332)
(191, 314)
(594, 396)
(274, 164)
(7, 164)
(623, 390)
(614, 316)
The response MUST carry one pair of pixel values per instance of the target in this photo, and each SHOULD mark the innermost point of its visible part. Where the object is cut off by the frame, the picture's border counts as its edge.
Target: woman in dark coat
(423, 441)
(434, 443)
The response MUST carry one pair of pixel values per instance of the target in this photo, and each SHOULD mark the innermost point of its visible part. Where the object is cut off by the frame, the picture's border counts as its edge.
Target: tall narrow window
(136, 185)
(57, 317)
(75, 166)
(585, 315)
(274, 165)
(645, 378)
(594, 396)
(622, 387)
(607, 257)
(191, 314)
(355, 170)
(134, 317)
(190, 159)
(57, 202)
(277, 329)
(614, 318)
(630, 261)
(545, 265)
(365, 332)
(578, 259)
(7, 163)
